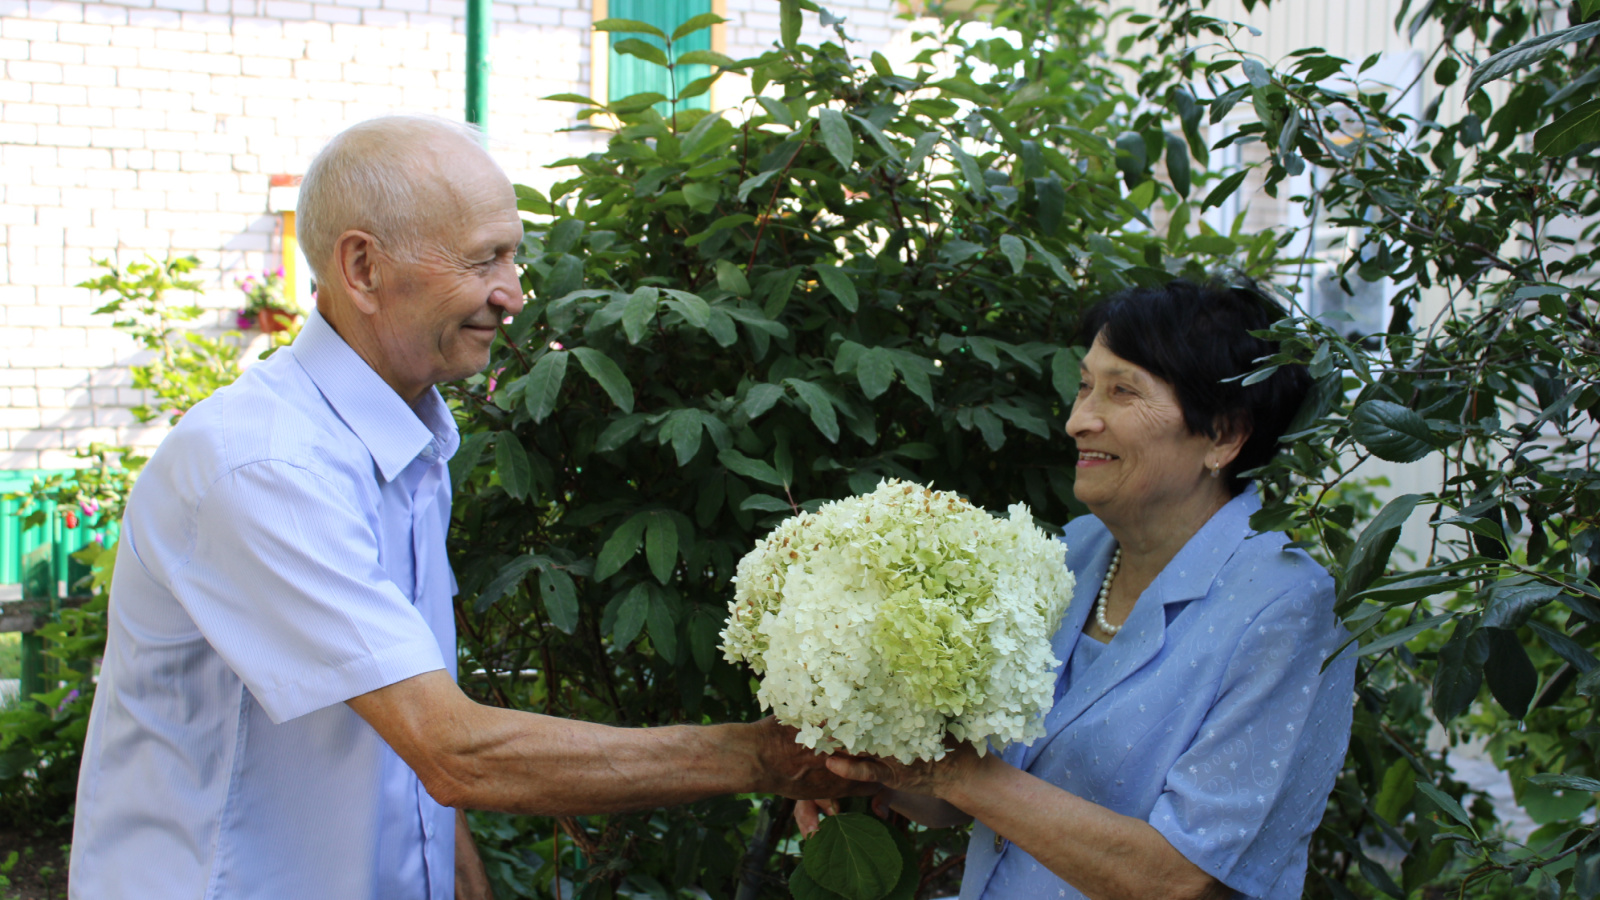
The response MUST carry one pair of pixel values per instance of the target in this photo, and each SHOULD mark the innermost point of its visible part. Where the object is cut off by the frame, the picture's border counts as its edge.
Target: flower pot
(273, 320)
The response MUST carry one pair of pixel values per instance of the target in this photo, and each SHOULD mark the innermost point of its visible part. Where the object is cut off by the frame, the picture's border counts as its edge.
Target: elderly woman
(1197, 726)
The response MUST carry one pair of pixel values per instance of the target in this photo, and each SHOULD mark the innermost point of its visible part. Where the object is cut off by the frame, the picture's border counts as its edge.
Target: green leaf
(640, 309)
(1370, 555)
(1399, 784)
(661, 546)
(544, 385)
(1445, 802)
(760, 470)
(642, 49)
(701, 196)
(731, 278)
(1566, 782)
(696, 23)
(836, 137)
(1578, 126)
(819, 405)
(789, 22)
(1390, 431)
(875, 372)
(629, 25)
(1511, 676)
(683, 429)
(1065, 375)
(511, 463)
(755, 181)
(803, 887)
(969, 169)
(560, 597)
(609, 376)
(506, 580)
(878, 137)
(704, 633)
(765, 503)
(777, 110)
(620, 547)
(1566, 648)
(853, 855)
(630, 615)
(1011, 247)
(1178, 164)
(919, 152)
(1401, 636)
(916, 378)
(761, 398)
(694, 309)
(1052, 200)
(1460, 673)
(1224, 190)
(467, 457)
(1512, 601)
(839, 285)
(1527, 53)
(663, 628)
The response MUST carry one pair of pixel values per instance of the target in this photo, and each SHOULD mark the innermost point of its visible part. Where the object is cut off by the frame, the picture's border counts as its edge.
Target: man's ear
(358, 265)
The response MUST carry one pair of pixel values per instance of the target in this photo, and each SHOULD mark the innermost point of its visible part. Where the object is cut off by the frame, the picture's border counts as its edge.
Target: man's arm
(472, 880)
(472, 756)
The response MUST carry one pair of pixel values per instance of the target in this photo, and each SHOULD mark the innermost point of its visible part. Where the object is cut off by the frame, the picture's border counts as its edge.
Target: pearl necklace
(1105, 594)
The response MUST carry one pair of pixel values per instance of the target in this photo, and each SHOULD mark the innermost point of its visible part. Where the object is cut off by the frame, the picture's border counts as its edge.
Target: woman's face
(1136, 460)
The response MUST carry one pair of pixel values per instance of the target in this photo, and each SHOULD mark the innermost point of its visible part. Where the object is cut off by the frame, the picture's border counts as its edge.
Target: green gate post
(478, 25)
(38, 583)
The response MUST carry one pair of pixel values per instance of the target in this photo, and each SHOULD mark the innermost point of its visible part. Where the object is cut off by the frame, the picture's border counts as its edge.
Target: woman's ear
(1232, 432)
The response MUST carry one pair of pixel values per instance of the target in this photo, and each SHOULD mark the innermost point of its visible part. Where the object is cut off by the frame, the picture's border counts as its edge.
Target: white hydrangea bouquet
(882, 622)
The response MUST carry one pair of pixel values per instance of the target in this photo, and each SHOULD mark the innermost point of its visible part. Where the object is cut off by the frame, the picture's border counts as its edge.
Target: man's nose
(506, 293)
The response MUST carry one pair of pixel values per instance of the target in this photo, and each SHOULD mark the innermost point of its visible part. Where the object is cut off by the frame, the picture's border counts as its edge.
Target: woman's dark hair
(1197, 338)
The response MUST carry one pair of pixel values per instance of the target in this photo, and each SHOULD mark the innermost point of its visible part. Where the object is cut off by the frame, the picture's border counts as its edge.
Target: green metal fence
(37, 571)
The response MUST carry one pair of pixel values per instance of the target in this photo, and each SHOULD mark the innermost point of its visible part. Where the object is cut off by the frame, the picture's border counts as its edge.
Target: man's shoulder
(273, 414)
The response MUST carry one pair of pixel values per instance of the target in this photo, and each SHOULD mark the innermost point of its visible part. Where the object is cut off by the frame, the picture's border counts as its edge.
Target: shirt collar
(1191, 572)
(393, 432)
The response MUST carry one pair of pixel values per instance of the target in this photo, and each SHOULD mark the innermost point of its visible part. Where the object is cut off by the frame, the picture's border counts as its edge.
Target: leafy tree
(859, 274)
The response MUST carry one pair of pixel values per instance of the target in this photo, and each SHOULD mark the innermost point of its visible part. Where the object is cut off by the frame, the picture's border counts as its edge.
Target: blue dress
(1209, 715)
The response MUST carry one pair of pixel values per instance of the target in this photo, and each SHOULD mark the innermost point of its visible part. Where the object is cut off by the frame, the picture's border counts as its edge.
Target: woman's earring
(1216, 470)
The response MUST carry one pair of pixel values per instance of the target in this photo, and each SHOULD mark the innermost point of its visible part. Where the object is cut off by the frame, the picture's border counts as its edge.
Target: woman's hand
(910, 790)
(934, 778)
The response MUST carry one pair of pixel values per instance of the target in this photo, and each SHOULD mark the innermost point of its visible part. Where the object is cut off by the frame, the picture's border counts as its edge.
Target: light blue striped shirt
(283, 551)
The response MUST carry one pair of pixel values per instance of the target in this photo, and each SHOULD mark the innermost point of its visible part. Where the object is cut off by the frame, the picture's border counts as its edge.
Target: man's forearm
(539, 765)
(478, 757)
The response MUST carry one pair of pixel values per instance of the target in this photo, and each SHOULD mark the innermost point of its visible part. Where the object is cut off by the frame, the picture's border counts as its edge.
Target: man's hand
(797, 771)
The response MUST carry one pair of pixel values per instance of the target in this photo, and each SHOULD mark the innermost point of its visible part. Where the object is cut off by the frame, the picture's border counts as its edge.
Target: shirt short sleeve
(1245, 797)
(285, 582)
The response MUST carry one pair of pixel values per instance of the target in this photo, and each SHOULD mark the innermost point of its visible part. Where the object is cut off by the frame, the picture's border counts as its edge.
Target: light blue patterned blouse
(1209, 715)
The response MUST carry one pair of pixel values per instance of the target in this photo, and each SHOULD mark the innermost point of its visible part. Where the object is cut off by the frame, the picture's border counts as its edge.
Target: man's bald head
(389, 177)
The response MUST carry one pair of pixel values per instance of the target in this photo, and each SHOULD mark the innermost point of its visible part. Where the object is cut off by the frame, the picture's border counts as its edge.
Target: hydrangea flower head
(882, 622)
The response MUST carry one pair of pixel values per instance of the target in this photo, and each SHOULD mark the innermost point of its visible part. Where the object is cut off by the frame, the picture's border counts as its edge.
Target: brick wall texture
(138, 127)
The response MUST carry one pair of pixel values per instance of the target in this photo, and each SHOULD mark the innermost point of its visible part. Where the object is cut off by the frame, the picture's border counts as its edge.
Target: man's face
(439, 310)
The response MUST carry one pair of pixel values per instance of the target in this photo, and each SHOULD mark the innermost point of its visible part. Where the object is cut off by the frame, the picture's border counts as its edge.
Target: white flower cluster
(881, 622)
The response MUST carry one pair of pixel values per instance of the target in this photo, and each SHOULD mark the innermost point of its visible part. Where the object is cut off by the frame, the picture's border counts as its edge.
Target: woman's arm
(919, 808)
(1105, 855)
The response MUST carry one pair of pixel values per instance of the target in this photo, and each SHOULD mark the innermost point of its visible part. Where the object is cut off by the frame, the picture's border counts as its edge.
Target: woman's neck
(1149, 542)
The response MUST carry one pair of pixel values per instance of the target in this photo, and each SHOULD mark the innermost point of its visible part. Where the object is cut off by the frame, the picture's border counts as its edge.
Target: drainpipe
(478, 25)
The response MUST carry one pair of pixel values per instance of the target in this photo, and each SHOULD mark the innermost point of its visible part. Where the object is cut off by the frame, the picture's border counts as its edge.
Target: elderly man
(278, 715)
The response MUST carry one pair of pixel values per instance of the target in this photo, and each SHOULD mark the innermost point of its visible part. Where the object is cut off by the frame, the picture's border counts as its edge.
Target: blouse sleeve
(1242, 801)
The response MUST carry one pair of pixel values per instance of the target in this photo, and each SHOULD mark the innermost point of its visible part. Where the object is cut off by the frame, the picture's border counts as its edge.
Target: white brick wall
(136, 127)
